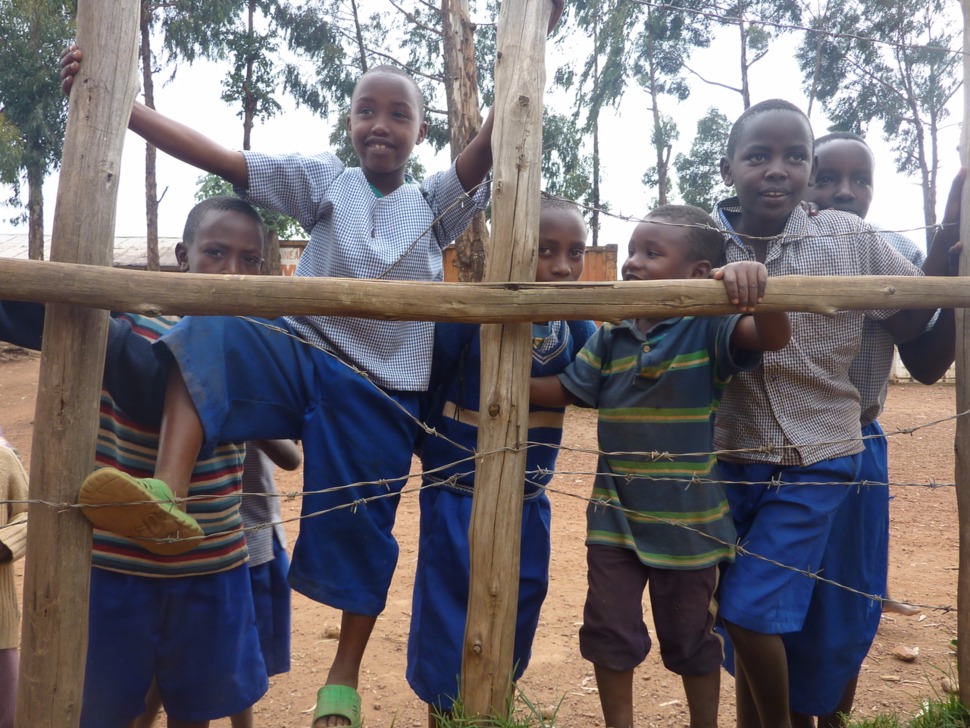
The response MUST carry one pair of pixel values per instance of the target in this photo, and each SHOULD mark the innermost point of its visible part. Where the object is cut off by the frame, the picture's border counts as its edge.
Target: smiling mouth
(379, 146)
(774, 194)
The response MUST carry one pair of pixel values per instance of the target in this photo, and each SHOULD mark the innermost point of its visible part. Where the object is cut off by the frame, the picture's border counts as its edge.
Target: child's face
(562, 245)
(771, 168)
(659, 252)
(384, 122)
(844, 177)
(227, 241)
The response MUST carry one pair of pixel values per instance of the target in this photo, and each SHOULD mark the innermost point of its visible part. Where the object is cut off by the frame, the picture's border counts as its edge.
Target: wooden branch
(58, 566)
(167, 293)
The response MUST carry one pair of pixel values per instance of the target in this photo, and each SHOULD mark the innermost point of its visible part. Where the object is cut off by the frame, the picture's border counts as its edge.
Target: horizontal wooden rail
(167, 293)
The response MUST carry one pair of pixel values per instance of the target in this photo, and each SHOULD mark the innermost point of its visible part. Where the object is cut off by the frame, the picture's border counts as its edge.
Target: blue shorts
(840, 625)
(249, 382)
(195, 635)
(440, 604)
(789, 524)
(271, 597)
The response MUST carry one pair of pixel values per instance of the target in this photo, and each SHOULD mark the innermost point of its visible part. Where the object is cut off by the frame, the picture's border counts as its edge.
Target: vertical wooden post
(962, 442)
(506, 361)
(54, 638)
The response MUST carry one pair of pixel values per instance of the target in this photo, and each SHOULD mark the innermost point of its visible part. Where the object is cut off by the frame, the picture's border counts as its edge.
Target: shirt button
(646, 347)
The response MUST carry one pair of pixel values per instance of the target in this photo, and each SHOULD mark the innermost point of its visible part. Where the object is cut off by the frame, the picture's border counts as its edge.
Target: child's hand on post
(745, 282)
(557, 8)
(70, 65)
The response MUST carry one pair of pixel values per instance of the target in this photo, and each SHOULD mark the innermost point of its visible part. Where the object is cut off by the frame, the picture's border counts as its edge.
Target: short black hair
(222, 203)
(760, 108)
(704, 239)
(842, 136)
(552, 202)
(396, 71)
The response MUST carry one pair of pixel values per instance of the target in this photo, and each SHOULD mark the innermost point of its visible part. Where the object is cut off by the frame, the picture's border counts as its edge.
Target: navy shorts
(194, 635)
(841, 624)
(614, 635)
(271, 597)
(781, 516)
(251, 382)
(440, 604)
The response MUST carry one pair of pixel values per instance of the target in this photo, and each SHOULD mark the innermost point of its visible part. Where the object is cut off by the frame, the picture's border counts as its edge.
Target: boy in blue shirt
(441, 583)
(662, 522)
(350, 388)
(794, 420)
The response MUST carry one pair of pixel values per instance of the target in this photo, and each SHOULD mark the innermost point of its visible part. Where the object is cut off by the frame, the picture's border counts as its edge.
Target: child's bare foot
(897, 607)
(142, 509)
(337, 705)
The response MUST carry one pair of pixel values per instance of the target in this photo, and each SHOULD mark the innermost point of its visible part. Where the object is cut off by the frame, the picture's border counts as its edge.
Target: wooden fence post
(506, 361)
(57, 578)
(962, 440)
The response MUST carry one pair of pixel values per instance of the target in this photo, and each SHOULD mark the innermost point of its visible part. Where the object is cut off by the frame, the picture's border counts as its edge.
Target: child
(848, 620)
(367, 222)
(266, 542)
(185, 621)
(656, 383)
(794, 420)
(13, 542)
(441, 583)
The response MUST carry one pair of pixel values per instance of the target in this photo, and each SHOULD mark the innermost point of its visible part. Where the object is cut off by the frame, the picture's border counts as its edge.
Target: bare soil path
(923, 570)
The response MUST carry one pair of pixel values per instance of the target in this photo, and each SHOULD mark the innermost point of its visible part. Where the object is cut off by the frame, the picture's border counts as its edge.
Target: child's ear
(701, 269)
(182, 257)
(726, 177)
(422, 132)
(347, 123)
(811, 176)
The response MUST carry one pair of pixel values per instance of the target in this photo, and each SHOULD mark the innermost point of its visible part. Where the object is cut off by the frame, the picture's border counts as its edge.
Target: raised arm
(172, 137)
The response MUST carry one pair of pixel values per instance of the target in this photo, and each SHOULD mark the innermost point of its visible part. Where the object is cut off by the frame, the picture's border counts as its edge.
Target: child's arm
(283, 453)
(170, 136)
(476, 159)
(745, 282)
(928, 356)
(550, 392)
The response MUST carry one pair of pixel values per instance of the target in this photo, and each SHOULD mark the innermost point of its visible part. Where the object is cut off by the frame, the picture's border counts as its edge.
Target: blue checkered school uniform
(298, 377)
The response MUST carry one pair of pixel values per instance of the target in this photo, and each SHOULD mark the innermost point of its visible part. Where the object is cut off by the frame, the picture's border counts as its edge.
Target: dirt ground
(923, 569)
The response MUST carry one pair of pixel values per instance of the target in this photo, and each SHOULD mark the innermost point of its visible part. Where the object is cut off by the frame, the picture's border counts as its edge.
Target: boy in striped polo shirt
(183, 620)
(657, 384)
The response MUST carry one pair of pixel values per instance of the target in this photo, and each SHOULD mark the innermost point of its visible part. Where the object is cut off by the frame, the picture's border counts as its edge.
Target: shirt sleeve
(133, 376)
(730, 360)
(292, 184)
(22, 323)
(583, 377)
(13, 535)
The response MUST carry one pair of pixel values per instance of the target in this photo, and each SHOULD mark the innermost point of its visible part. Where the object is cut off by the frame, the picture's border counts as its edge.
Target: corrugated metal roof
(128, 253)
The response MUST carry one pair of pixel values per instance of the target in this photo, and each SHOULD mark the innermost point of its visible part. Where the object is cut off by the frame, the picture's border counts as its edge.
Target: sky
(194, 99)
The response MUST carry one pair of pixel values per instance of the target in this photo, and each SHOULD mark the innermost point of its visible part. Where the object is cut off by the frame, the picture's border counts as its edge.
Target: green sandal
(339, 700)
(142, 509)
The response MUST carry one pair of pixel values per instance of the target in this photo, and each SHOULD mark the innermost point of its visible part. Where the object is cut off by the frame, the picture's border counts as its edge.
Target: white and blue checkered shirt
(801, 396)
(356, 234)
(871, 369)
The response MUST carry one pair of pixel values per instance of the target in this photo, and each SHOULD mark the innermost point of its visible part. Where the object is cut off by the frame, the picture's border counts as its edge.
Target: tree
(190, 30)
(637, 43)
(33, 109)
(757, 23)
(905, 79)
(698, 172)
